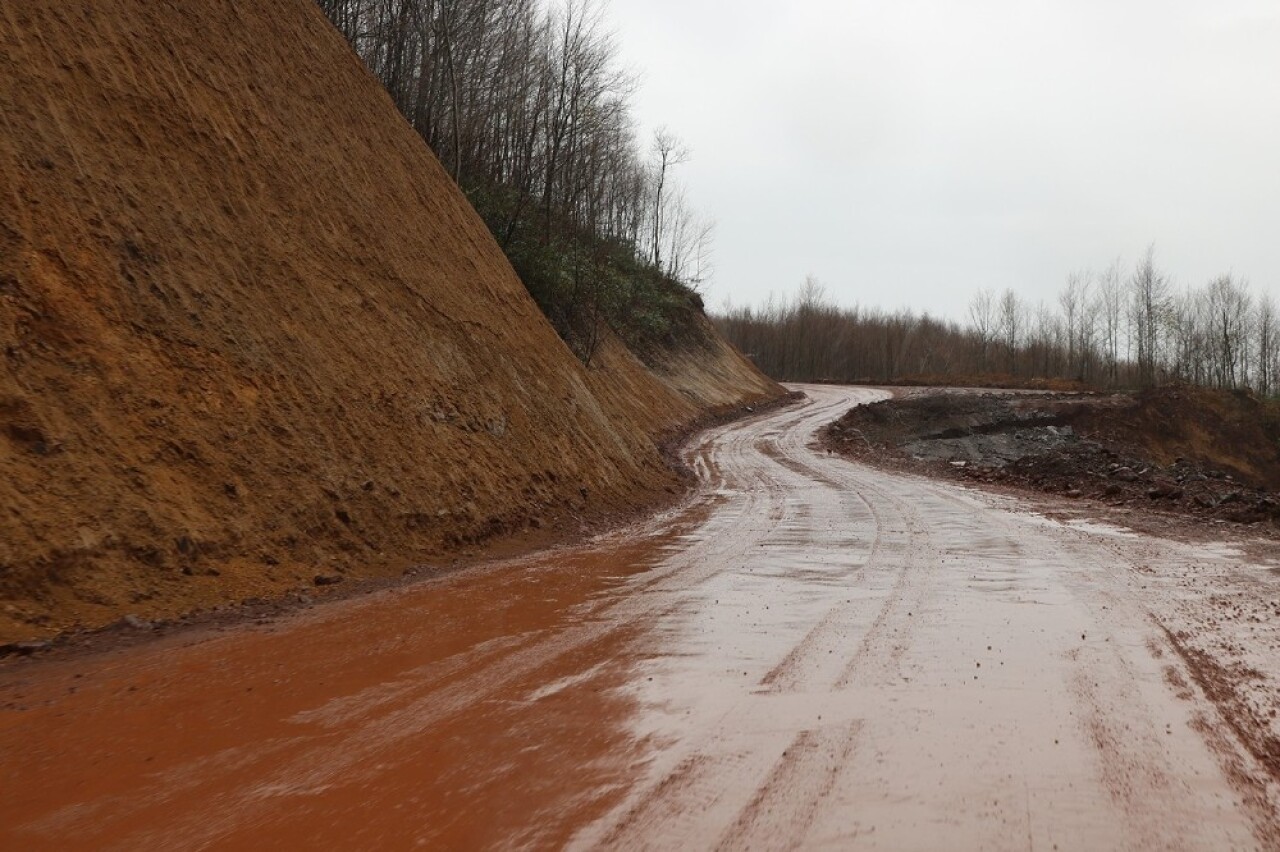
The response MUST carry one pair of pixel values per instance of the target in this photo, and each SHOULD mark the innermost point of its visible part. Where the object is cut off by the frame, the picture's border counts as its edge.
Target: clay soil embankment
(254, 337)
(1173, 451)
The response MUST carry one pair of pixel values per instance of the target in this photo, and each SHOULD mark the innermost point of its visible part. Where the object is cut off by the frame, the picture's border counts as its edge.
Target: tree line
(525, 105)
(1116, 327)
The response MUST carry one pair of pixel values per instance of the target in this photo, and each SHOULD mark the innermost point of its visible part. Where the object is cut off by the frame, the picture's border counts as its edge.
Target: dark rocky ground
(1187, 451)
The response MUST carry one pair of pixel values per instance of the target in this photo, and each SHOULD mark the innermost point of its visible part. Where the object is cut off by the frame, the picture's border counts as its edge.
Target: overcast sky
(909, 152)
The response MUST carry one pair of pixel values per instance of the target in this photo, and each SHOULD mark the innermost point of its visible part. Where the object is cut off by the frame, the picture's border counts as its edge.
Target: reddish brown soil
(808, 653)
(252, 333)
(194, 624)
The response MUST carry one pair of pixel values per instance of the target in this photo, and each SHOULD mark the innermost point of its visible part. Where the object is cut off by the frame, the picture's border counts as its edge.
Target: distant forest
(525, 105)
(1115, 328)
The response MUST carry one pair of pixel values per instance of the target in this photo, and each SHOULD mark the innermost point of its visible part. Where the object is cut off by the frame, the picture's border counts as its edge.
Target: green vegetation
(584, 283)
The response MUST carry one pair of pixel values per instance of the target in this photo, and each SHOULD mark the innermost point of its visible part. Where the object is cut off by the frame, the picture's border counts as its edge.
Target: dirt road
(810, 653)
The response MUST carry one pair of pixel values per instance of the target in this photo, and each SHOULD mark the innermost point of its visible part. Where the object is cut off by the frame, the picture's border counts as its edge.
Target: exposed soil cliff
(252, 332)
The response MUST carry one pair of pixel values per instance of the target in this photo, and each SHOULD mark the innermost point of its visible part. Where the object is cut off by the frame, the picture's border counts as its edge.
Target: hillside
(253, 333)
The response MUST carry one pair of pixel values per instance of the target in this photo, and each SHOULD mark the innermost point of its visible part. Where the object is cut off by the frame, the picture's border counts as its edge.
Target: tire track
(783, 808)
(897, 540)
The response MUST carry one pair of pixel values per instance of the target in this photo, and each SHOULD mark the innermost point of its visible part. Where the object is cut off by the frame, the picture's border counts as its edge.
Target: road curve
(809, 653)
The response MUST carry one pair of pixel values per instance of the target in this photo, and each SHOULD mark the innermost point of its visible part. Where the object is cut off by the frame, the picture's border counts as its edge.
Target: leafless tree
(809, 337)
(688, 239)
(668, 152)
(1267, 352)
(1110, 309)
(984, 322)
(1074, 300)
(1185, 337)
(1149, 304)
(1227, 309)
(1012, 316)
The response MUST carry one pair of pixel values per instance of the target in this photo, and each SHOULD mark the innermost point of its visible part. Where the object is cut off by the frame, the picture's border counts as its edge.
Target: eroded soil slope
(251, 331)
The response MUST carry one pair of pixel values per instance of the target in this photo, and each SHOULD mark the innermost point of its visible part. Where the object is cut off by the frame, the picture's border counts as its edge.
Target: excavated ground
(1171, 454)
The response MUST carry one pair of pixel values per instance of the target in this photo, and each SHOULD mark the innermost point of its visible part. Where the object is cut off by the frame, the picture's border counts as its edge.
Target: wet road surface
(810, 653)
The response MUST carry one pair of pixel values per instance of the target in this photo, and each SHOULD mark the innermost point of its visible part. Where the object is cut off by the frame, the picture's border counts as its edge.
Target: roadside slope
(252, 332)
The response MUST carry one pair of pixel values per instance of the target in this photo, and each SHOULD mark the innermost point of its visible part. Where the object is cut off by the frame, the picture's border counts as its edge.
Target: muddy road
(810, 653)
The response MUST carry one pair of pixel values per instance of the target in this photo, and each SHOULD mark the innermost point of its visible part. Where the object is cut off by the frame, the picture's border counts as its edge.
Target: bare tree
(1185, 337)
(1012, 320)
(1227, 305)
(1219, 334)
(1149, 304)
(688, 240)
(983, 320)
(1267, 353)
(1110, 309)
(669, 151)
(1074, 301)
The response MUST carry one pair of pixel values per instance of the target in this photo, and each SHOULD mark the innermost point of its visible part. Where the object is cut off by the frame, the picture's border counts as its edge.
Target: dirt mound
(1188, 450)
(252, 333)
(1232, 431)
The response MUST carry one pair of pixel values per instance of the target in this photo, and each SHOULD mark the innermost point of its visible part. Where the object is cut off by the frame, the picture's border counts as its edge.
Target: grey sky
(909, 153)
